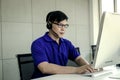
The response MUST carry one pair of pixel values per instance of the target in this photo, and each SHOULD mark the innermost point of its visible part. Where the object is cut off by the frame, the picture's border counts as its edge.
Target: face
(60, 28)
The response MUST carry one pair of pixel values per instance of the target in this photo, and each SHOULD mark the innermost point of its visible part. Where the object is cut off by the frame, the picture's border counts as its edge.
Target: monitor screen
(108, 43)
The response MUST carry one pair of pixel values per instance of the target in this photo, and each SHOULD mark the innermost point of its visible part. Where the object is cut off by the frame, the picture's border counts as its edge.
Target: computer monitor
(108, 43)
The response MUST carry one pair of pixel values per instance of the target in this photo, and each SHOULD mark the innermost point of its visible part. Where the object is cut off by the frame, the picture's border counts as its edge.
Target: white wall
(0, 33)
(1, 75)
(24, 20)
(0, 41)
(0, 45)
(0, 55)
(16, 34)
(10, 69)
(94, 20)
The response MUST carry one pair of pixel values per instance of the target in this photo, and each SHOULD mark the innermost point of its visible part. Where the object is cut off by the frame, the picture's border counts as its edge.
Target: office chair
(26, 66)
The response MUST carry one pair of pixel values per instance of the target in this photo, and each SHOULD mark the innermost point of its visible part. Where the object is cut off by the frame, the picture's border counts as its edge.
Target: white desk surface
(79, 76)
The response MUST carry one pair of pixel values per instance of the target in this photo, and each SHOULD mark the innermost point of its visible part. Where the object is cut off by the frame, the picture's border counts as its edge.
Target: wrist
(76, 70)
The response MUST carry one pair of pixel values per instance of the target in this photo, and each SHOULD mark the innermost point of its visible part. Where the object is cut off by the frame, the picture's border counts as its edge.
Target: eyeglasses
(62, 25)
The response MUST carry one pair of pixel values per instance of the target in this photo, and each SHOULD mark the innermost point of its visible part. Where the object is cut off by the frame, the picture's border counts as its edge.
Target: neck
(53, 36)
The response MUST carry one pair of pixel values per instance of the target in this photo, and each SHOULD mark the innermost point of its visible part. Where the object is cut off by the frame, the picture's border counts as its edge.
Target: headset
(49, 24)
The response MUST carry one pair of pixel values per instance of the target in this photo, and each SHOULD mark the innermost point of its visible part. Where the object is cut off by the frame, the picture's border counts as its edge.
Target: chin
(60, 36)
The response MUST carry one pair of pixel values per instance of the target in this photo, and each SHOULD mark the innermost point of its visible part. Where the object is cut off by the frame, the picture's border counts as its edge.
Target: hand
(85, 69)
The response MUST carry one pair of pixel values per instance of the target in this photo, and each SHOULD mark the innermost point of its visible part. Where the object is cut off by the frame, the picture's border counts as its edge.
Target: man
(51, 51)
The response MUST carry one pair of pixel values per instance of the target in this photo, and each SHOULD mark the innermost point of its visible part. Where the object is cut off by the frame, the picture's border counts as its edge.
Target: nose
(63, 28)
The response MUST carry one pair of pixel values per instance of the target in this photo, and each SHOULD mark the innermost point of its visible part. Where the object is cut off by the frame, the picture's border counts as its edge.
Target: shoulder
(66, 41)
(39, 41)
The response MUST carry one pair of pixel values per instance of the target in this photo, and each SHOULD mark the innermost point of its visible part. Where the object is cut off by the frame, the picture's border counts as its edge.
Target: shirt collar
(48, 38)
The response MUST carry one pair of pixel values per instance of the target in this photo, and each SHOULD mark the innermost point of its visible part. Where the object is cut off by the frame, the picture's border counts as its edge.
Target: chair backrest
(26, 66)
(78, 49)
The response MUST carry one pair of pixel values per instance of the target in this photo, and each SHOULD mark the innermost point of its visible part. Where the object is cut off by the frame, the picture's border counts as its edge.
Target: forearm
(81, 61)
(48, 68)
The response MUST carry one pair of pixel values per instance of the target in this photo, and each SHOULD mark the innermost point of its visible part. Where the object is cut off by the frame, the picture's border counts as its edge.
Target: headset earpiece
(49, 25)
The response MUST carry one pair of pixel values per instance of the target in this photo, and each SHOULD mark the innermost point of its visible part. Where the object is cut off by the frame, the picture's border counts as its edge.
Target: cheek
(56, 29)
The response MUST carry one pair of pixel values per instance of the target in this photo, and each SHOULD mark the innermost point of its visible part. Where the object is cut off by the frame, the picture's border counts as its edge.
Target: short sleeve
(73, 53)
(38, 53)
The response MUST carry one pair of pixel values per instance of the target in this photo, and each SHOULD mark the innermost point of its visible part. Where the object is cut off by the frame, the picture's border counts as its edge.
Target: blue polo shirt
(45, 49)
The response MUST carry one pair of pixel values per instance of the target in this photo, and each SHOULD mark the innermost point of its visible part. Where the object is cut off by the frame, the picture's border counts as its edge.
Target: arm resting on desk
(49, 68)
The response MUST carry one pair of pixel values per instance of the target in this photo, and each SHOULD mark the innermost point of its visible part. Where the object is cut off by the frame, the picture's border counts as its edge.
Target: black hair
(55, 16)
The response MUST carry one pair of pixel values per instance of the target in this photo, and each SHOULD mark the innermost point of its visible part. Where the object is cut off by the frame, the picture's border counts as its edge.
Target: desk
(79, 76)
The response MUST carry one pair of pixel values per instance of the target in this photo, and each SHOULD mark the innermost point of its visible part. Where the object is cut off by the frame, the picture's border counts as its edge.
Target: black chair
(26, 66)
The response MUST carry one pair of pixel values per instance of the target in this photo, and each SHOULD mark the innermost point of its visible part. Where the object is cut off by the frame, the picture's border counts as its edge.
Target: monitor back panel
(108, 43)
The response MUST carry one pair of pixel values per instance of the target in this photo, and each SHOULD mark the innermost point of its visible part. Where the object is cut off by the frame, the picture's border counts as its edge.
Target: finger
(85, 71)
(90, 69)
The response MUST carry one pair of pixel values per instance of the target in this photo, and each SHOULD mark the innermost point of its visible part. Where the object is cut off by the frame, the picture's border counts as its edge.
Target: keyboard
(98, 73)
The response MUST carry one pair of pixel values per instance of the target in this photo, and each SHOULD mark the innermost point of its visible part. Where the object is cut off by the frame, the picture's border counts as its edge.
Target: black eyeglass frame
(62, 25)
